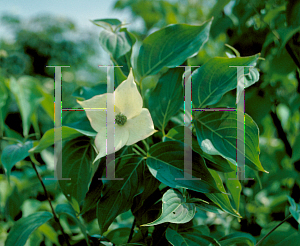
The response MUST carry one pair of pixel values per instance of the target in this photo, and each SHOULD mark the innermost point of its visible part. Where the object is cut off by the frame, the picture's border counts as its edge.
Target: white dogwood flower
(132, 122)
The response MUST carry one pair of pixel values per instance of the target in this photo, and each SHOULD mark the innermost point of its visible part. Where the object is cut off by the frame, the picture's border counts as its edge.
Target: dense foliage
(151, 205)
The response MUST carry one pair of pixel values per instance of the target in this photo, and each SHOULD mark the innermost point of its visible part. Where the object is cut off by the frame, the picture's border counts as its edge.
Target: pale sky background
(79, 11)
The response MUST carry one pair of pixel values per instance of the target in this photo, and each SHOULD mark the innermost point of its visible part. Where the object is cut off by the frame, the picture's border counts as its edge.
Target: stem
(33, 162)
(140, 149)
(131, 231)
(12, 139)
(136, 151)
(146, 144)
(273, 229)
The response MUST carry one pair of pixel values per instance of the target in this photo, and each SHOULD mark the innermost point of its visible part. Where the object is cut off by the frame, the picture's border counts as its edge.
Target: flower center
(121, 119)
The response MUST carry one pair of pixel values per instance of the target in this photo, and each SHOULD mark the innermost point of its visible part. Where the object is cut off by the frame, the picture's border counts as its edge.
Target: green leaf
(221, 199)
(49, 233)
(294, 209)
(218, 8)
(27, 96)
(235, 188)
(77, 158)
(68, 210)
(296, 148)
(167, 97)
(94, 193)
(22, 229)
(48, 138)
(166, 162)
(292, 240)
(119, 236)
(174, 209)
(212, 161)
(217, 135)
(212, 80)
(118, 194)
(241, 238)
(3, 94)
(14, 153)
(189, 239)
(171, 46)
(115, 43)
(108, 24)
(13, 203)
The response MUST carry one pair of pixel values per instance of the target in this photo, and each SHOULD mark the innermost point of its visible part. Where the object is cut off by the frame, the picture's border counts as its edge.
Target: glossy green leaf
(167, 97)
(174, 209)
(294, 209)
(189, 239)
(221, 199)
(118, 194)
(22, 229)
(115, 43)
(77, 158)
(14, 153)
(212, 80)
(217, 135)
(241, 238)
(48, 138)
(234, 187)
(68, 210)
(27, 96)
(166, 162)
(212, 161)
(171, 46)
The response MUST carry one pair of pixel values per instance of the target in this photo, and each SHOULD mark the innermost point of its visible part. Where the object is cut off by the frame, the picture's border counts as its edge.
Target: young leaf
(294, 209)
(28, 97)
(171, 46)
(174, 209)
(22, 229)
(221, 199)
(115, 43)
(14, 153)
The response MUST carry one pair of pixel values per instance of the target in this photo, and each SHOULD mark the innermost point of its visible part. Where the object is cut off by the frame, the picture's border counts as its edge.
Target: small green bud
(121, 119)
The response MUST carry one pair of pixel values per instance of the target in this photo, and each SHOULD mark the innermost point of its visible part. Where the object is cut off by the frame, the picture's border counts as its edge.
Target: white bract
(132, 122)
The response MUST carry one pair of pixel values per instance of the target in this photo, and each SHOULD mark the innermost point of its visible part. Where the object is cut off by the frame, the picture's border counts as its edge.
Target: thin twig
(33, 161)
(273, 229)
(131, 231)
